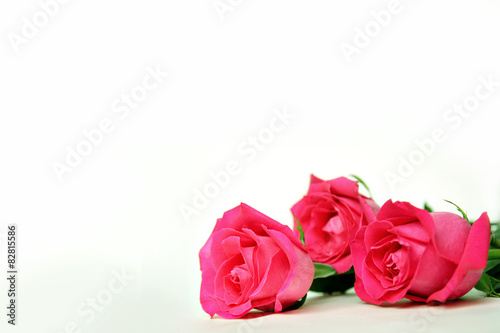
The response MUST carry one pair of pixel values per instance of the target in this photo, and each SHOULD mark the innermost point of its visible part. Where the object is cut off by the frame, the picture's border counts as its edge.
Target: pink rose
(409, 252)
(330, 215)
(252, 261)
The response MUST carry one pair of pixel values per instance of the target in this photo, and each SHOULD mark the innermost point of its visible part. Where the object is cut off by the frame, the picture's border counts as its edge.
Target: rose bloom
(330, 215)
(252, 261)
(411, 253)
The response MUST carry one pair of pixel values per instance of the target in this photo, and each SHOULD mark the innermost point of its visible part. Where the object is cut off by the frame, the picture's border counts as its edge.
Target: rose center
(334, 235)
(391, 265)
(235, 278)
(334, 226)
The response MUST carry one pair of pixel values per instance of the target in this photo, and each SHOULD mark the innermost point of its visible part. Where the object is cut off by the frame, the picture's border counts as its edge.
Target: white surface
(347, 313)
(119, 208)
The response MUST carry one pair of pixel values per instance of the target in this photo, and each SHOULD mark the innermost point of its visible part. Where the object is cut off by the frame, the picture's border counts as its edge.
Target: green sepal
(489, 285)
(323, 270)
(460, 210)
(493, 267)
(301, 231)
(327, 280)
(364, 185)
(427, 207)
(495, 239)
(334, 283)
(490, 279)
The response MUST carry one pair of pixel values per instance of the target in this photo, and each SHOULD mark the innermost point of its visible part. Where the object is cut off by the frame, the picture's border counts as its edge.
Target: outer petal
(358, 253)
(236, 311)
(432, 274)
(300, 275)
(360, 290)
(208, 302)
(473, 262)
(401, 212)
(315, 180)
(272, 281)
(344, 186)
(451, 235)
(371, 211)
(244, 216)
(342, 265)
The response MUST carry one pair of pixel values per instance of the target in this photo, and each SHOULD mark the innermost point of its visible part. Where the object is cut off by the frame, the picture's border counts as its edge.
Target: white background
(119, 208)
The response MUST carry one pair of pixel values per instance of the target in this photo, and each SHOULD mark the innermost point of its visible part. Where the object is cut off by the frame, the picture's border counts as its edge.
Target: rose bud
(251, 261)
(411, 253)
(330, 215)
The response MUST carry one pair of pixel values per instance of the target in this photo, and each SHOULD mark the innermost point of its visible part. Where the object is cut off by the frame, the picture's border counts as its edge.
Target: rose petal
(472, 263)
(451, 233)
(400, 212)
(237, 311)
(433, 273)
(300, 275)
(225, 269)
(265, 250)
(363, 295)
(378, 232)
(413, 232)
(342, 265)
(208, 303)
(344, 186)
(272, 280)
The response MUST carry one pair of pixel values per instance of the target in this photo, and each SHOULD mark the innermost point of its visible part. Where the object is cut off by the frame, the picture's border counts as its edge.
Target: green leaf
(297, 304)
(427, 207)
(485, 284)
(495, 238)
(460, 210)
(334, 283)
(493, 271)
(322, 270)
(493, 266)
(494, 254)
(489, 282)
(364, 184)
(301, 231)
